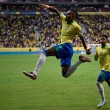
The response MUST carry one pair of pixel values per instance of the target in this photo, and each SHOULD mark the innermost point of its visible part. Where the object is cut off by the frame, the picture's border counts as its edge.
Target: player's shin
(39, 64)
(72, 69)
(101, 90)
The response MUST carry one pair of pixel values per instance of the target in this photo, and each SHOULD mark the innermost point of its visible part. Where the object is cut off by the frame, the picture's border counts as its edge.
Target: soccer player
(103, 53)
(63, 51)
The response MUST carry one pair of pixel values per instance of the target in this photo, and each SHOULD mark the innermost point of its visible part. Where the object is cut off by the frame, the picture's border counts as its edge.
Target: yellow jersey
(104, 57)
(69, 31)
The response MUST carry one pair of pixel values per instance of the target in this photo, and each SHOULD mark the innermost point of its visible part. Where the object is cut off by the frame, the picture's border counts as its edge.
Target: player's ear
(74, 15)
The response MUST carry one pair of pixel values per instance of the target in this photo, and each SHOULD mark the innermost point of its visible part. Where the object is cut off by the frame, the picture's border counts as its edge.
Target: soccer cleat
(102, 103)
(84, 59)
(30, 75)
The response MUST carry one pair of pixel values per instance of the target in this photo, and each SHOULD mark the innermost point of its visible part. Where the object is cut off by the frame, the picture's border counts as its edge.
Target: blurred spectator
(61, 7)
(54, 0)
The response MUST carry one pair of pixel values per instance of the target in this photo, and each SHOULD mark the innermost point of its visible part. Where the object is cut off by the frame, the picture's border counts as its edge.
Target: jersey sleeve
(62, 16)
(78, 31)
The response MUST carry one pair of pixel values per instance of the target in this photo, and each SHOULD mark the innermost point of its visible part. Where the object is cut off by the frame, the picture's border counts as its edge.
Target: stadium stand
(18, 30)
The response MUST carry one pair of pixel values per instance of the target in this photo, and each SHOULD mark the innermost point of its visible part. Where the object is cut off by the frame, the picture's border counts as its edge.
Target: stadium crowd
(54, 0)
(61, 7)
(20, 30)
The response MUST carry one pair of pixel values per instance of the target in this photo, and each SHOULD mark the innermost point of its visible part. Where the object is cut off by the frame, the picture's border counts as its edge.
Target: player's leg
(70, 70)
(107, 77)
(108, 81)
(101, 89)
(49, 52)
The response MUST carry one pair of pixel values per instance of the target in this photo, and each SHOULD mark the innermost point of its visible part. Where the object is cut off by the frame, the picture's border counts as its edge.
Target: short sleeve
(62, 16)
(78, 30)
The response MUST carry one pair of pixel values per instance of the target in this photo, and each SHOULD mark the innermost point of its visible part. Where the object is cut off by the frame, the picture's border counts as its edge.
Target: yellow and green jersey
(104, 57)
(69, 31)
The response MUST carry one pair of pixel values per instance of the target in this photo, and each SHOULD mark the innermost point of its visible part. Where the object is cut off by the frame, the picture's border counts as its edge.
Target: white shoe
(102, 103)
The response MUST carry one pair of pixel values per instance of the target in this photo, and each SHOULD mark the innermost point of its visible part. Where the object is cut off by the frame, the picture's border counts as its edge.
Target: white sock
(101, 90)
(39, 64)
(72, 69)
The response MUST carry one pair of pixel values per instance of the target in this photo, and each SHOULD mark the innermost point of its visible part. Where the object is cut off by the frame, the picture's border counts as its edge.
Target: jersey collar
(70, 22)
(104, 46)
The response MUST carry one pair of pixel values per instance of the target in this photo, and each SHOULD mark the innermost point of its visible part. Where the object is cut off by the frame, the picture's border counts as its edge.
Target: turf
(50, 91)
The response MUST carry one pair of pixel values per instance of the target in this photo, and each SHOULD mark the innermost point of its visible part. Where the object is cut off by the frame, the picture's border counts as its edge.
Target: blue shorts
(103, 76)
(64, 53)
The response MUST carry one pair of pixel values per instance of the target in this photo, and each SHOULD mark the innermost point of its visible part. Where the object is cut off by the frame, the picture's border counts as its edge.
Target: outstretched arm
(50, 8)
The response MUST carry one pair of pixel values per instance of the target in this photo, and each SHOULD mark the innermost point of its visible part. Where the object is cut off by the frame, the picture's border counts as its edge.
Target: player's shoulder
(108, 46)
(62, 16)
(98, 48)
(76, 25)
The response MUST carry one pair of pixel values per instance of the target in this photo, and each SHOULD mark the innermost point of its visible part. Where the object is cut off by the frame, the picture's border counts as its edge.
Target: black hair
(74, 11)
(105, 36)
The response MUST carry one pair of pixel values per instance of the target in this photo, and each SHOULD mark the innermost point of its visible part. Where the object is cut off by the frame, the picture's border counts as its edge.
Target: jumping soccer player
(63, 51)
(103, 53)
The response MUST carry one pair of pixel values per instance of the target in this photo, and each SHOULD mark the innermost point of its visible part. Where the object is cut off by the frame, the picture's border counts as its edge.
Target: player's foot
(84, 59)
(102, 103)
(30, 75)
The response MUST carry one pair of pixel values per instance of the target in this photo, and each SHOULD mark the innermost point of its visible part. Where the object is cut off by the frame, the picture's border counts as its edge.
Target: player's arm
(96, 56)
(44, 6)
(88, 52)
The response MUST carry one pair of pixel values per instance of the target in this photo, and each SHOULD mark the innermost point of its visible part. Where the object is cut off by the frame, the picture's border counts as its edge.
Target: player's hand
(95, 57)
(88, 51)
(43, 6)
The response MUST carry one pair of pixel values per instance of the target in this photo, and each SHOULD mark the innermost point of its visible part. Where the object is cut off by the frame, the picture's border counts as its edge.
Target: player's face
(69, 16)
(103, 40)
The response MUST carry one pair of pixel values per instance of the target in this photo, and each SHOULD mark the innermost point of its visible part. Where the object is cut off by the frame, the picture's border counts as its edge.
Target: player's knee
(98, 83)
(64, 75)
(108, 82)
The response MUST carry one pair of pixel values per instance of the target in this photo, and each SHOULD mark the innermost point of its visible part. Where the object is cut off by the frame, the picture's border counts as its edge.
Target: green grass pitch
(50, 91)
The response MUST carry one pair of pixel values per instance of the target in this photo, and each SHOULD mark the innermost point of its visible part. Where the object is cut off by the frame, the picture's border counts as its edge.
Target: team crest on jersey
(101, 53)
(67, 28)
